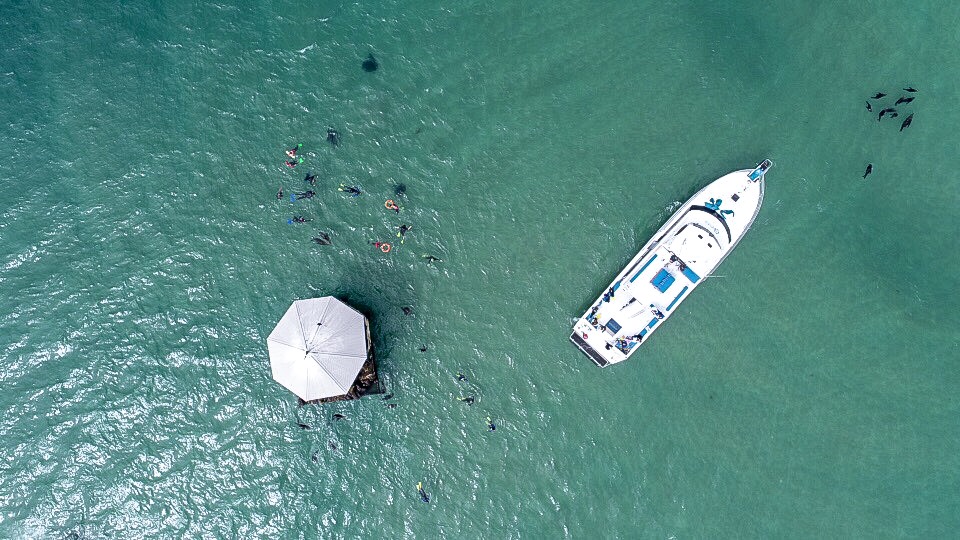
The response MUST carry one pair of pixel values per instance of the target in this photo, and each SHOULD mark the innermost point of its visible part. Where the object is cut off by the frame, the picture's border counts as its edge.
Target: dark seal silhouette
(869, 108)
(370, 64)
(322, 239)
(869, 170)
(878, 95)
(906, 123)
(885, 111)
(904, 100)
(909, 89)
(333, 137)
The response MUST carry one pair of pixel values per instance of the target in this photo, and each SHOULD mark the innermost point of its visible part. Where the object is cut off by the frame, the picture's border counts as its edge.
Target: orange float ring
(389, 205)
(385, 247)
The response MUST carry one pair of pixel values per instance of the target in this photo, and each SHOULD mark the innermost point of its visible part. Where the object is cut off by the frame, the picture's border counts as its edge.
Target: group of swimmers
(354, 191)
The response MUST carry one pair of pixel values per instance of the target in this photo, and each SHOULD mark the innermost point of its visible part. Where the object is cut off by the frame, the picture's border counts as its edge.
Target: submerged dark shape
(878, 95)
(906, 123)
(314, 457)
(904, 99)
(431, 258)
(400, 190)
(388, 396)
(303, 426)
(468, 400)
(423, 348)
(869, 108)
(909, 89)
(312, 178)
(407, 310)
(391, 405)
(333, 445)
(869, 170)
(333, 136)
(322, 239)
(370, 64)
(885, 111)
(338, 416)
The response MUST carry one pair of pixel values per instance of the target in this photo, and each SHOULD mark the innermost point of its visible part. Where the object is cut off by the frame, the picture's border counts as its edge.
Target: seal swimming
(906, 123)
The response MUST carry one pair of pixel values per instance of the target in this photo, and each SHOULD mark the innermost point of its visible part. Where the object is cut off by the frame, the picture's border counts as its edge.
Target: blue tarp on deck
(663, 280)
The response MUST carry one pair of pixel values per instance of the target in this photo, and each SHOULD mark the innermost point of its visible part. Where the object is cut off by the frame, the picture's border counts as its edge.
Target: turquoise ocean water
(810, 390)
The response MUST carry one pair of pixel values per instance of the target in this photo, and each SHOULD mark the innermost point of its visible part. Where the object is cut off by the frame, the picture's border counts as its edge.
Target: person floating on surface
(461, 376)
(423, 494)
(490, 425)
(293, 164)
(352, 190)
(298, 219)
(391, 205)
(468, 400)
(333, 136)
(280, 193)
(403, 231)
(292, 153)
(305, 195)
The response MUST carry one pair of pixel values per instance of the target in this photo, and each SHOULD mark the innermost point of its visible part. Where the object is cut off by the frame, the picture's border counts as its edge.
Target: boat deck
(679, 257)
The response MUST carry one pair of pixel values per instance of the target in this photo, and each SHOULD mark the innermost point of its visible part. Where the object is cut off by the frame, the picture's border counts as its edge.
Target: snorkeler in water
(280, 193)
(292, 153)
(311, 178)
(352, 190)
(490, 425)
(431, 258)
(403, 231)
(298, 219)
(309, 194)
(333, 136)
(293, 164)
(423, 494)
(322, 239)
(468, 400)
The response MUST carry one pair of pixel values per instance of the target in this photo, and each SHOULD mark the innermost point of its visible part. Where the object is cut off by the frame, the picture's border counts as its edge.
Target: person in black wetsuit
(352, 190)
(311, 178)
(306, 195)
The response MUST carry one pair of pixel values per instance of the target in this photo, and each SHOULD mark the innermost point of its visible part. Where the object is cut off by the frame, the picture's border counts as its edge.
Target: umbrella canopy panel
(318, 348)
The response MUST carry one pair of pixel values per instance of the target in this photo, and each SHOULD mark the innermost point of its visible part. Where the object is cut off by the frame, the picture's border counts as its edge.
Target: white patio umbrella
(318, 348)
